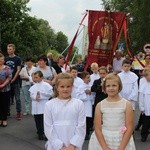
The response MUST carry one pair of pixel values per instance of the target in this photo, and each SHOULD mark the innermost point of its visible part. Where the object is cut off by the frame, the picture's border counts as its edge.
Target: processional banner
(104, 29)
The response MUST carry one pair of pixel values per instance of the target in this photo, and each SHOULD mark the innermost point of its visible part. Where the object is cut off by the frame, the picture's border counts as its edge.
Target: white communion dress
(113, 114)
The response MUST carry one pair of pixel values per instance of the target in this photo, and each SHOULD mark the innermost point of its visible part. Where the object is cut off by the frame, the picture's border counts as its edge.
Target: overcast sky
(63, 15)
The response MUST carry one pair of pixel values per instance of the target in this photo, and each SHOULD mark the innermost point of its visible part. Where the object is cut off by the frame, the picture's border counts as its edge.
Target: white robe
(64, 123)
(86, 98)
(130, 86)
(94, 77)
(144, 96)
(76, 85)
(46, 91)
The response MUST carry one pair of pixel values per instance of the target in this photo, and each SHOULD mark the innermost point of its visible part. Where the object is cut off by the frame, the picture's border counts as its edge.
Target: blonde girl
(113, 121)
(64, 117)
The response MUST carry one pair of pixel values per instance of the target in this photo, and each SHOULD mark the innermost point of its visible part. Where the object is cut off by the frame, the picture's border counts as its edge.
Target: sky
(63, 15)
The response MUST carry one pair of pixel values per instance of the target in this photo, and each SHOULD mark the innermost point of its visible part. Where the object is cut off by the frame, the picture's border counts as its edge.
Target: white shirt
(87, 99)
(48, 73)
(64, 123)
(76, 85)
(130, 86)
(144, 96)
(94, 77)
(117, 64)
(27, 74)
(46, 91)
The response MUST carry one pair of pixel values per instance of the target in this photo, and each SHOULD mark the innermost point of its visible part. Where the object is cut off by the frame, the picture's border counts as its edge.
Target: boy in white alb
(76, 84)
(40, 93)
(144, 103)
(87, 99)
(130, 83)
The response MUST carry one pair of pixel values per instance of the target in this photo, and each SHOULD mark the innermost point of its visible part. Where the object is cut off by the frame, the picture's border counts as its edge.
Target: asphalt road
(21, 135)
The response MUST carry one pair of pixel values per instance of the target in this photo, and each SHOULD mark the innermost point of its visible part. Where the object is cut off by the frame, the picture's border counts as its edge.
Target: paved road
(21, 135)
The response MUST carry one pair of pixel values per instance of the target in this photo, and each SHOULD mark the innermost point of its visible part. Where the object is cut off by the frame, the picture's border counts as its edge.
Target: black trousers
(145, 127)
(39, 124)
(88, 125)
(140, 121)
(4, 102)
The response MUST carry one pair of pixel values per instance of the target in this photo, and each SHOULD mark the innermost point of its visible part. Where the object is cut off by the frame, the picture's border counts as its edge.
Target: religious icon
(106, 35)
(97, 43)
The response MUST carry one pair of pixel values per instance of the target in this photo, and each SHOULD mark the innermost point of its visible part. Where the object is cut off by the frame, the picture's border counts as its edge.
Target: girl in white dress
(64, 117)
(113, 119)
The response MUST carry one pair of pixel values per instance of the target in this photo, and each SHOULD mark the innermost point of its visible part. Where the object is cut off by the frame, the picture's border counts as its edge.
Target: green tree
(12, 12)
(31, 36)
(61, 41)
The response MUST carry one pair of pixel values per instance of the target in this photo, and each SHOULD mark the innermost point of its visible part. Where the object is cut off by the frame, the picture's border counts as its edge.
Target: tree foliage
(62, 41)
(31, 36)
(139, 19)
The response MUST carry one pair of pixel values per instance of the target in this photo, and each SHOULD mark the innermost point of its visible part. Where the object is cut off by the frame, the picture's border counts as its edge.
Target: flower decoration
(123, 129)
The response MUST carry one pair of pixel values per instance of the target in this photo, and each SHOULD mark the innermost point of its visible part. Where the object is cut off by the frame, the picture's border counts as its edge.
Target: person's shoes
(18, 116)
(4, 124)
(87, 137)
(45, 138)
(143, 139)
(42, 137)
(25, 114)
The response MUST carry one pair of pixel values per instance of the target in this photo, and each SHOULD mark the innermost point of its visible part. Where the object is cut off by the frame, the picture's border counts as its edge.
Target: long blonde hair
(62, 76)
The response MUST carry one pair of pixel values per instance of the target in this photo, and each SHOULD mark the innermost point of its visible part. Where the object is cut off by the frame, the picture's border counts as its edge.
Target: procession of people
(70, 104)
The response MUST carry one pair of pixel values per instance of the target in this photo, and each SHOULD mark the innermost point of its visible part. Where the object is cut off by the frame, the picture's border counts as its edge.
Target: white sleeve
(141, 102)
(134, 94)
(80, 131)
(80, 94)
(56, 143)
(33, 93)
(33, 96)
(46, 95)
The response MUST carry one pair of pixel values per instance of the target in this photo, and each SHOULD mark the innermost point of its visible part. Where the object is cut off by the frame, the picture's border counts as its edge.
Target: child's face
(37, 78)
(87, 79)
(147, 76)
(126, 67)
(74, 73)
(102, 73)
(112, 87)
(64, 88)
(94, 69)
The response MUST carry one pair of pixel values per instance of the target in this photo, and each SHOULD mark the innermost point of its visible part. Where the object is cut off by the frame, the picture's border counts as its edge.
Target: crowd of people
(68, 103)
